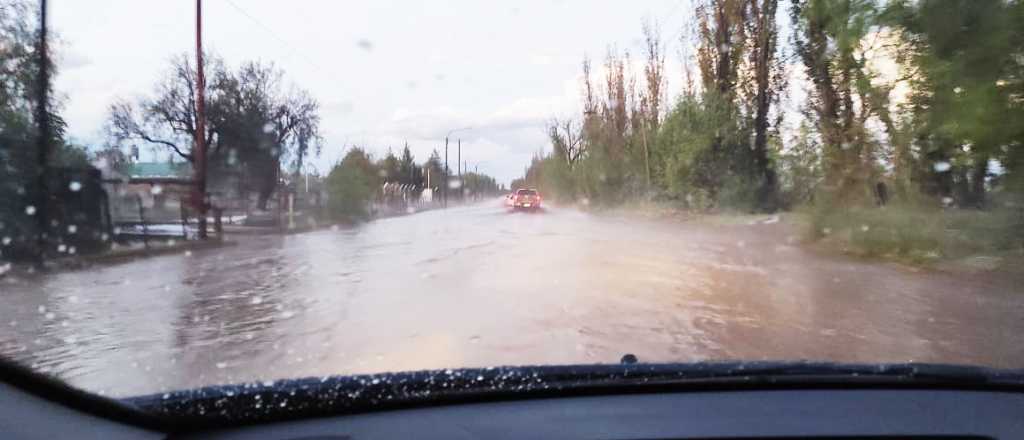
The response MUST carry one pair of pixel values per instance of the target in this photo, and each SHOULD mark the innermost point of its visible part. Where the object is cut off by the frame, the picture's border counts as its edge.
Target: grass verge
(920, 236)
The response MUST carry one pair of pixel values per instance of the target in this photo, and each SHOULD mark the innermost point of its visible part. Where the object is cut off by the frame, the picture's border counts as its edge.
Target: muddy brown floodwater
(479, 286)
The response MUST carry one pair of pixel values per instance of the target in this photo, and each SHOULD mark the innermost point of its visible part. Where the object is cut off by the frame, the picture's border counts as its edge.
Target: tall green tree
(351, 185)
(827, 37)
(967, 59)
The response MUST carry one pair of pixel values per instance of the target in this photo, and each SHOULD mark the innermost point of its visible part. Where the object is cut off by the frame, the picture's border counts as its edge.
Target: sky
(384, 72)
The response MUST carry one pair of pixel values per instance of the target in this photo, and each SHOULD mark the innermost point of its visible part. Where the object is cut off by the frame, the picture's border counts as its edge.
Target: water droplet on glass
(257, 300)
(6, 241)
(166, 396)
(188, 253)
(268, 127)
(30, 210)
(156, 190)
(72, 229)
(62, 248)
(941, 167)
(75, 186)
(947, 201)
(222, 365)
(49, 315)
(41, 309)
(375, 381)
(865, 228)
(454, 183)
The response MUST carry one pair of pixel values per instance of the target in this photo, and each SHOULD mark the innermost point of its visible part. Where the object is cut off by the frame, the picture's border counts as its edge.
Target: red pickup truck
(528, 199)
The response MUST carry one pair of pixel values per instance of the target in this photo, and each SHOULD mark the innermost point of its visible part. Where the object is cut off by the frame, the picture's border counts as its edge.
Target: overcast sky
(384, 72)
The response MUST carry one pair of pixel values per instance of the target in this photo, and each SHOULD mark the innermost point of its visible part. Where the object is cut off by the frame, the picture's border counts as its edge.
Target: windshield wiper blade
(333, 395)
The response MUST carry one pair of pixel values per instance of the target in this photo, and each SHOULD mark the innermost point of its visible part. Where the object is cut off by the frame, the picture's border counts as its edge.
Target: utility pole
(444, 184)
(199, 174)
(647, 155)
(458, 163)
(43, 146)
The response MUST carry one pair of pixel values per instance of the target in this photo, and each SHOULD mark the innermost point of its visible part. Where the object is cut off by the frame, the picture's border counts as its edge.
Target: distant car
(528, 199)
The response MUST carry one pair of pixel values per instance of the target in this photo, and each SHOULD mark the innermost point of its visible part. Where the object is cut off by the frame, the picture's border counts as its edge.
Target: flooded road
(479, 286)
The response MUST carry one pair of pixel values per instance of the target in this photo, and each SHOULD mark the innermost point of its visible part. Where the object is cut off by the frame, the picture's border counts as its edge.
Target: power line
(280, 39)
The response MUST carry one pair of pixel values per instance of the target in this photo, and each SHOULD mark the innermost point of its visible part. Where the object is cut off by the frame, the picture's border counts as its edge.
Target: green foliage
(968, 59)
(351, 186)
(799, 166)
(917, 233)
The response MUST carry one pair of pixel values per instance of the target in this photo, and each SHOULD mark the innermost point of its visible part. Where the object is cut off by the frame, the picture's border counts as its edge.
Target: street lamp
(445, 186)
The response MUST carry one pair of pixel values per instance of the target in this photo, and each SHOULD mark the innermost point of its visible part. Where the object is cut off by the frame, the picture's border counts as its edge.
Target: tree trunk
(763, 57)
(978, 173)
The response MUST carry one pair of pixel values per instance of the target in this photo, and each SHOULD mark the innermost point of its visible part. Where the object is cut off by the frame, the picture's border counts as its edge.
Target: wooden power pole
(199, 162)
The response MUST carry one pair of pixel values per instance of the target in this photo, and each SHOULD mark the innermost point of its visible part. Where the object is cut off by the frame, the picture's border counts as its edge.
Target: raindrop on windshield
(941, 167)
(74, 186)
(30, 210)
(156, 190)
(72, 229)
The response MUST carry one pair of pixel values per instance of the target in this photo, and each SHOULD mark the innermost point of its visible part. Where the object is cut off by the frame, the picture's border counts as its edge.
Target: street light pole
(446, 170)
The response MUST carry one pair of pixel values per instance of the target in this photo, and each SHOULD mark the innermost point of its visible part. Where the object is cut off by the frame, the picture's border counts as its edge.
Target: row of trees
(948, 129)
(357, 181)
(20, 110)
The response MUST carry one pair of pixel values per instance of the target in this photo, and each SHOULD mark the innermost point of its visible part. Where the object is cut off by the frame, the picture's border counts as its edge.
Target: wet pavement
(479, 286)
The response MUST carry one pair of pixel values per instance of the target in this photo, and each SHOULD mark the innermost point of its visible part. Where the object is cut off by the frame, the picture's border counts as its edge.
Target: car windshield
(202, 193)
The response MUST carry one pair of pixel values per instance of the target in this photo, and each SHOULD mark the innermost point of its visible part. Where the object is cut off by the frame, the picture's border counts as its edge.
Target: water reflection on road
(479, 286)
